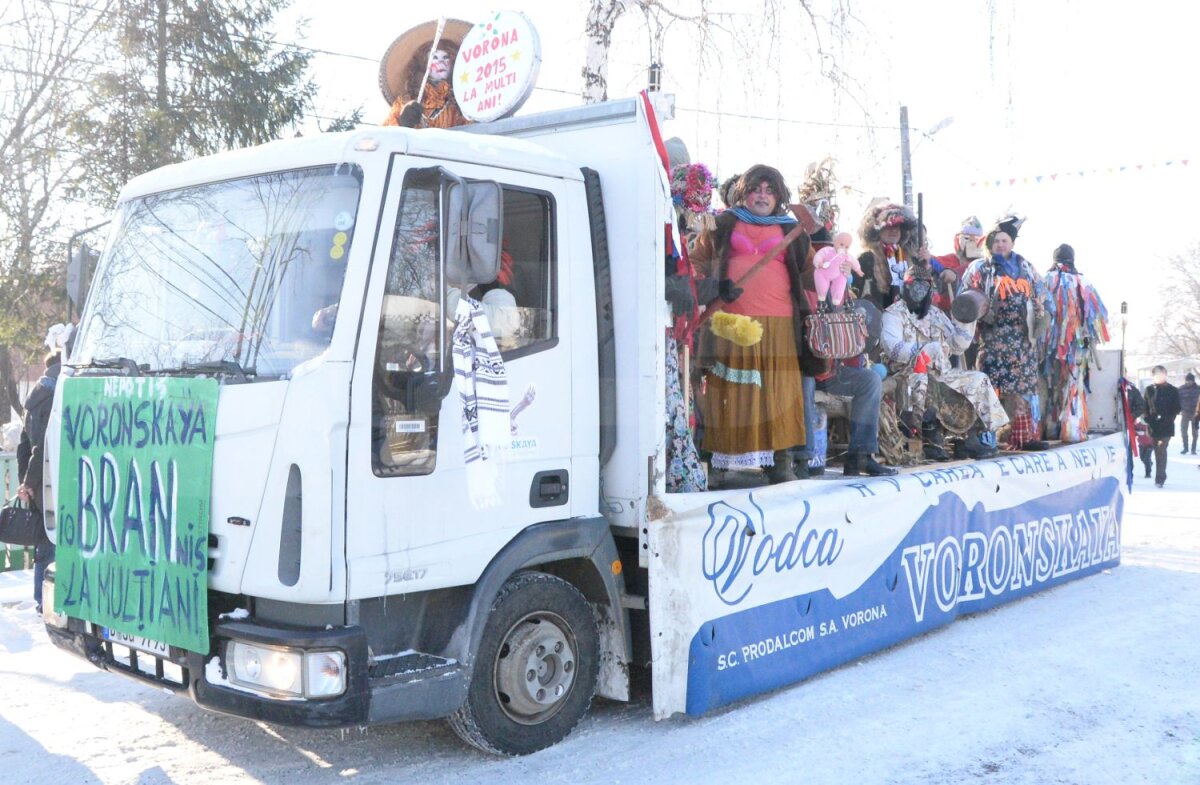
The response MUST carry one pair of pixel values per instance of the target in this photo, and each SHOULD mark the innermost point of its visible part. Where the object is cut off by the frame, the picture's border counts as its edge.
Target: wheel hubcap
(535, 668)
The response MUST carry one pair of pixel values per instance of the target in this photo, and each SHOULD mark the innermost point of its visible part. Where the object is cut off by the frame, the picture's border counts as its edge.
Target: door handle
(549, 488)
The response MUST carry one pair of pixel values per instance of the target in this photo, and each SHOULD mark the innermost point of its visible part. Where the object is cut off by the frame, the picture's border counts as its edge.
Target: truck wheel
(535, 672)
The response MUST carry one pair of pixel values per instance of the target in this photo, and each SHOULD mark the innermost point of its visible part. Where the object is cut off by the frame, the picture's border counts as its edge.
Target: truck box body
(347, 521)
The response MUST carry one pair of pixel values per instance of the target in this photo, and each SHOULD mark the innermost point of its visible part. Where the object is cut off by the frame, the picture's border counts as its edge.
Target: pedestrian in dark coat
(1162, 407)
(30, 456)
(1189, 409)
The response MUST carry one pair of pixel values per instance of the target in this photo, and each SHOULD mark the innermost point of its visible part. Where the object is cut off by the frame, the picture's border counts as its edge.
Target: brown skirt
(754, 400)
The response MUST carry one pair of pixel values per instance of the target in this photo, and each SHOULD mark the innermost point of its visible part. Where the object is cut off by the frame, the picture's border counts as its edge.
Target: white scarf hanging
(483, 391)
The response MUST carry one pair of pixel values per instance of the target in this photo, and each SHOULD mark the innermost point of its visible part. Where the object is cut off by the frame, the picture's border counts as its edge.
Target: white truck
(358, 570)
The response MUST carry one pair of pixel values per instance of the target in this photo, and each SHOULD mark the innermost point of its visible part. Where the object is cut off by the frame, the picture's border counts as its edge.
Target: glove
(679, 295)
(727, 291)
(707, 290)
(411, 115)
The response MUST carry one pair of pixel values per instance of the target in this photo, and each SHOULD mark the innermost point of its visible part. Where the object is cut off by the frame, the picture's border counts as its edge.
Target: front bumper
(424, 694)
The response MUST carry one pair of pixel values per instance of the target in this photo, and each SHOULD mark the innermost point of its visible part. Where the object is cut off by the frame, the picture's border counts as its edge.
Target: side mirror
(474, 226)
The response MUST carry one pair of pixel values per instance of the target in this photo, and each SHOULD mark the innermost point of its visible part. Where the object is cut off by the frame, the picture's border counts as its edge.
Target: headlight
(286, 672)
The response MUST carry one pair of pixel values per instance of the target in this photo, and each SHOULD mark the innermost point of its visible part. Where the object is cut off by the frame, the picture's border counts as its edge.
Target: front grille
(162, 673)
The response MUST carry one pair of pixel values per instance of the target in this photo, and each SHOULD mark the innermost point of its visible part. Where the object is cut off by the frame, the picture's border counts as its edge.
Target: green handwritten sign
(134, 483)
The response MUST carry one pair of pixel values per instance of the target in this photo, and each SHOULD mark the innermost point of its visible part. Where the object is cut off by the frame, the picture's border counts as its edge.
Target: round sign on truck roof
(497, 66)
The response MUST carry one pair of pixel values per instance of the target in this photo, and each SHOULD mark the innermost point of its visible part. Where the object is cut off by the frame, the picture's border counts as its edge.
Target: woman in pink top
(753, 405)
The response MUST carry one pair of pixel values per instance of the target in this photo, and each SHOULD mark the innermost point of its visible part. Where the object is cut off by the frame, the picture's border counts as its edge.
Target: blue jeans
(862, 386)
(43, 554)
(805, 451)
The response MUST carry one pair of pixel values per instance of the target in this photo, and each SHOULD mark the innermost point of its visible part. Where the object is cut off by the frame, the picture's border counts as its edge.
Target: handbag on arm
(20, 524)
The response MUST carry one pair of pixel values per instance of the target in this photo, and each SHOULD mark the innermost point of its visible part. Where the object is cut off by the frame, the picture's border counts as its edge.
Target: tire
(535, 670)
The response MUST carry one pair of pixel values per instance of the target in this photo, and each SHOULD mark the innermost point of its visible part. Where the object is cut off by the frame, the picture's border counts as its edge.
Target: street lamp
(906, 179)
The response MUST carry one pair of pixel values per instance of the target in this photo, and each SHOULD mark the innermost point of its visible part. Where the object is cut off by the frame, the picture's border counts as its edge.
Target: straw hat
(394, 67)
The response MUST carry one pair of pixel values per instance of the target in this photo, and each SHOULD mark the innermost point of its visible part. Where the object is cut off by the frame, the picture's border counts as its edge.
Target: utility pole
(905, 159)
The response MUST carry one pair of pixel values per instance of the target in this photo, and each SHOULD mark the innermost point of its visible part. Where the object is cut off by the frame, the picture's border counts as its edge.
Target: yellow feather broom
(735, 327)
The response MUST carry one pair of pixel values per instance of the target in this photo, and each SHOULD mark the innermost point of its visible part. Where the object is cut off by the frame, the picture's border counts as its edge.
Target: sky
(1066, 111)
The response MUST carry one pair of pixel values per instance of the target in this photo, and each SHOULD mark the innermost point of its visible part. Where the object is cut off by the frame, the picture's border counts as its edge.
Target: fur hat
(918, 270)
(677, 152)
(1009, 224)
(883, 213)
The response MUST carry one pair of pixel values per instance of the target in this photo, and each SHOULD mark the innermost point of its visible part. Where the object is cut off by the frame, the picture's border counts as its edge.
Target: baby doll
(827, 268)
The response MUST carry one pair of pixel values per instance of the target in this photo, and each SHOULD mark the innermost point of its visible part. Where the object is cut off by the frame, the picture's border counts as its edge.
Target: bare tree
(1177, 330)
(41, 72)
(717, 31)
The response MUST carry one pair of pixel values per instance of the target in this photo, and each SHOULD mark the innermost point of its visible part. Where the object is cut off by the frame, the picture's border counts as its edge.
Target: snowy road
(1093, 682)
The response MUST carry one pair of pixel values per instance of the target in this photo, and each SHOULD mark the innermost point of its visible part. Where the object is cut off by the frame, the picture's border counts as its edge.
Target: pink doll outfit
(827, 273)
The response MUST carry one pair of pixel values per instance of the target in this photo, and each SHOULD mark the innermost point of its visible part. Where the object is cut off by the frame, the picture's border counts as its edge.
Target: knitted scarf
(745, 216)
(483, 391)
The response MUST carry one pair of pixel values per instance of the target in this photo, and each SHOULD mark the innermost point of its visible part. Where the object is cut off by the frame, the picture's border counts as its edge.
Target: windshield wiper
(128, 366)
(228, 368)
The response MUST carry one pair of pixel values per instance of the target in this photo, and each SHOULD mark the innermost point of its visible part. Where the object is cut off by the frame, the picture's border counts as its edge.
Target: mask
(917, 296)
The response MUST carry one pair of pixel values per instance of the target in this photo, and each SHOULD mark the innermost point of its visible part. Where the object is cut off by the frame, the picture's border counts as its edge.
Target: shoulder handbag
(836, 334)
(20, 524)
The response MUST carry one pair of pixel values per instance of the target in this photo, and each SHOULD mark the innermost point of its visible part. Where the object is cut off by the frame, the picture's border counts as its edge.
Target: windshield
(244, 273)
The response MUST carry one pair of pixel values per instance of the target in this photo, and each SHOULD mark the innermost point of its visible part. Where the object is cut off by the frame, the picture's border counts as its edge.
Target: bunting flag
(1053, 177)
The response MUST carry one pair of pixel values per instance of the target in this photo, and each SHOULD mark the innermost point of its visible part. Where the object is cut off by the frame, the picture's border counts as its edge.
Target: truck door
(417, 518)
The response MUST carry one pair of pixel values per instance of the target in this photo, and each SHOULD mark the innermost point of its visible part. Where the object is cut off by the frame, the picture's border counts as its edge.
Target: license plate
(157, 648)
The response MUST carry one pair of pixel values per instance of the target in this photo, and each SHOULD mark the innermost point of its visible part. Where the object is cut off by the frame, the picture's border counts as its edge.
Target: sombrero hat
(394, 65)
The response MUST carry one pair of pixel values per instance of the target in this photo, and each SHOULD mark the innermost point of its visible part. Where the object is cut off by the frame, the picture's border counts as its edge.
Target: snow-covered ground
(1094, 682)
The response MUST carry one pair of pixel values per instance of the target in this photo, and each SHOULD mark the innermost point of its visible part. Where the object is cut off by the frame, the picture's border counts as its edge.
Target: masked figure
(918, 341)
(415, 76)
(948, 269)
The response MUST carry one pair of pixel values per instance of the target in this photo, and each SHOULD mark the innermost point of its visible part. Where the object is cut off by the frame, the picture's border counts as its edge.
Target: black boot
(933, 438)
(865, 464)
(782, 470)
(970, 448)
(935, 453)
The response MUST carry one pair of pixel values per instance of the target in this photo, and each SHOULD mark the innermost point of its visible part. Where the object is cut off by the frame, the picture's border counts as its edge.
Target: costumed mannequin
(827, 268)
(1010, 330)
(415, 76)
(1078, 321)
(918, 341)
(888, 233)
